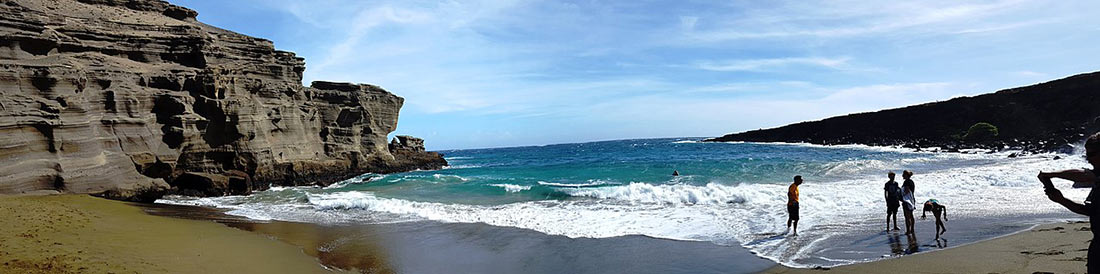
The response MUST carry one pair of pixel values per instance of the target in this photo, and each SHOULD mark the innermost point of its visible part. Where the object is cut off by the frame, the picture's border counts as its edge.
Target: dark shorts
(793, 210)
(892, 208)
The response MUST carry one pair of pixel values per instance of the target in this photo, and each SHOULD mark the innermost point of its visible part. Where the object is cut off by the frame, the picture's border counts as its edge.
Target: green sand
(83, 234)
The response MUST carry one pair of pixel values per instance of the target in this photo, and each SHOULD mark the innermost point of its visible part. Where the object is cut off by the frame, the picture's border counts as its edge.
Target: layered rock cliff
(1043, 117)
(130, 99)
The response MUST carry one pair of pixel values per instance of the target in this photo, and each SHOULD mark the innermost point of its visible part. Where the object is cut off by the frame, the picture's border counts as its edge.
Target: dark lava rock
(1038, 118)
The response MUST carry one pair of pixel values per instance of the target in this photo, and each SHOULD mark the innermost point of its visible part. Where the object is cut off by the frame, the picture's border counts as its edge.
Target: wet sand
(84, 234)
(434, 247)
(1050, 248)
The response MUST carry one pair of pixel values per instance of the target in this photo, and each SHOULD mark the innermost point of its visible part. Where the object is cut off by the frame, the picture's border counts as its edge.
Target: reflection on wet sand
(912, 245)
(434, 247)
(895, 244)
(344, 247)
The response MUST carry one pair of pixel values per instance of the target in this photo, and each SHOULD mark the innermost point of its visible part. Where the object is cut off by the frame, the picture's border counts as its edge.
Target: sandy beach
(1049, 248)
(437, 247)
(84, 234)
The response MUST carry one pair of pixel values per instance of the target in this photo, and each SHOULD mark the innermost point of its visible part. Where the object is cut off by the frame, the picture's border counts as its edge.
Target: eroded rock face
(405, 142)
(125, 98)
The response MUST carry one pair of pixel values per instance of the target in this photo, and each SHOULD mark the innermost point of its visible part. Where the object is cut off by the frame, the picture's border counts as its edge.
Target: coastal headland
(132, 100)
(1044, 117)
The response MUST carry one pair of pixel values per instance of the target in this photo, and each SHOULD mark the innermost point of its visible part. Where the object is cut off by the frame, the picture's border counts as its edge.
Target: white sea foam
(460, 166)
(713, 212)
(590, 183)
(449, 176)
(895, 149)
(356, 180)
(512, 188)
(712, 193)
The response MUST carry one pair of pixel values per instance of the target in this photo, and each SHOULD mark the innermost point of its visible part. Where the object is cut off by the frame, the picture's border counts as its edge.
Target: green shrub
(981, 131)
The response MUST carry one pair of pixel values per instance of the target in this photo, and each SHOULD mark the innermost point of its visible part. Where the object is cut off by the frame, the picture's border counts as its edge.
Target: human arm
(944, 213)
(1055, 195)
(1080, 177)
(923, 214)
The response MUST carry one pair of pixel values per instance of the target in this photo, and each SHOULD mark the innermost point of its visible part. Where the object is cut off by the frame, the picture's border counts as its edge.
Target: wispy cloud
(490, 73)
(688, 22)
(773, 63)
(1002, 27)
(1031, 74)
(847, 18)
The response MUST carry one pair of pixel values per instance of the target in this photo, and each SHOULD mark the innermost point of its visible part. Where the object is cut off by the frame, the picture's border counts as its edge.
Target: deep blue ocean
(726, 193)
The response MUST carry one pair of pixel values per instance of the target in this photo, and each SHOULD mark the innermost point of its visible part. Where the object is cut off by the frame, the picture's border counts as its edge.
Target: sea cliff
(134, 99)
(1043, 117)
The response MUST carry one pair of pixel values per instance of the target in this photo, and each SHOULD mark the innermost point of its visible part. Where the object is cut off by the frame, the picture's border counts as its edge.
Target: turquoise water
(508, 175)
(727, 193)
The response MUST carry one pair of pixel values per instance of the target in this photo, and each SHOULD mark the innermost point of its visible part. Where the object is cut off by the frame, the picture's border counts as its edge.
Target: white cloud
(591, 70)
(1002, 27)
(773, 63)
(848, 18)
(1031, 74)
(688, 22)
(708, 116)
(362, 24)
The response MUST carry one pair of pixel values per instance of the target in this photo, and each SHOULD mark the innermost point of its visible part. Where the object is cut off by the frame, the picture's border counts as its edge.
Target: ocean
(727, 195)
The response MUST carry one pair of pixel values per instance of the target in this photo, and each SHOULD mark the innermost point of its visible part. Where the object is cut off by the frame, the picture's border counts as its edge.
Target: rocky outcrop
(405, 142)
(130, 99)
(1043, 117)
(408, 153)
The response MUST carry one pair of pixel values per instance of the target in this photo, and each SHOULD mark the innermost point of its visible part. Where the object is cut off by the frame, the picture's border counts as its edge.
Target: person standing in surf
(792, 204)
(908, 201)
(893, 200)
(1081, 178)
(938, 211)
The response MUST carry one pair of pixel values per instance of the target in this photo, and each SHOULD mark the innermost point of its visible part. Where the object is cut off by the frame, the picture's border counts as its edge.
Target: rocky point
(132, 99)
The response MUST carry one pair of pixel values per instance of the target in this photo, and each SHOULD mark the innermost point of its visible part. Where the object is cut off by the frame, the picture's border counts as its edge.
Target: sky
(477, 74)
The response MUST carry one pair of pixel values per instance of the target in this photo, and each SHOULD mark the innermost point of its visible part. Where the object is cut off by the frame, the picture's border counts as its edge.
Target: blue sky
(514, 72)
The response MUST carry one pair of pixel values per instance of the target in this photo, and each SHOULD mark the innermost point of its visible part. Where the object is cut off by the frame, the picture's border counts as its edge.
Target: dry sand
(1051, 248)
(83, 234)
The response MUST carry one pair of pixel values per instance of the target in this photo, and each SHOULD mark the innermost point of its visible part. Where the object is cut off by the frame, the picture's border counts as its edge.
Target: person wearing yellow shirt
(792, 204)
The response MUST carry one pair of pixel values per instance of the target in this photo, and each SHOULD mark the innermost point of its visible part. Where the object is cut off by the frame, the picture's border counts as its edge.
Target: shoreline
(80, 233)
(380, 255)
(438, 247)
(1059, 247)
(85, 234)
